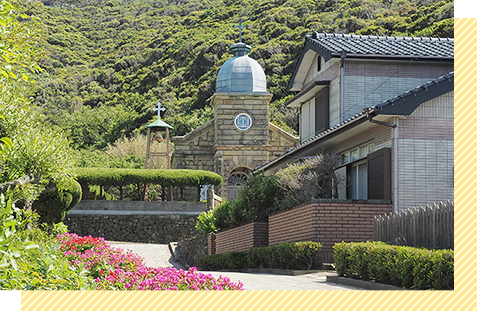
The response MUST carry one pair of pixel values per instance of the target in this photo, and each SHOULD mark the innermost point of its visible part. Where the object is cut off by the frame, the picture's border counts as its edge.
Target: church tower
(240, 118)
(240, 137)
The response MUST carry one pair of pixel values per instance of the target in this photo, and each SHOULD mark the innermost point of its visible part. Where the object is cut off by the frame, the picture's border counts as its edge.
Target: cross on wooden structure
(240, 26)
(159, 109)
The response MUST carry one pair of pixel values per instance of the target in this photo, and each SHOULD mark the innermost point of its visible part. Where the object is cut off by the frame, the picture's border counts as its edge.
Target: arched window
(237, 178)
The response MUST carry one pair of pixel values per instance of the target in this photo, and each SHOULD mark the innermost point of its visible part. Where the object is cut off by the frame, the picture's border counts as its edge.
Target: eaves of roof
(407, 102)
(403, 104)
(329, 133)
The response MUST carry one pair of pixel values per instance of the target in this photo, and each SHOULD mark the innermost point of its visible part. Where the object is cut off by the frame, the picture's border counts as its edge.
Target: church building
(240, 137)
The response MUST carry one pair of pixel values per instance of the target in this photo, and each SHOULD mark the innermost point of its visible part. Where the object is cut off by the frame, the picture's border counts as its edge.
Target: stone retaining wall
(135, 221)
(177, 206)
(160, 229)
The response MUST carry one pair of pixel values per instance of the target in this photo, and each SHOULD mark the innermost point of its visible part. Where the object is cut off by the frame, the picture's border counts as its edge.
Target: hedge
(404, 266)
(165, 178)
(291, 255)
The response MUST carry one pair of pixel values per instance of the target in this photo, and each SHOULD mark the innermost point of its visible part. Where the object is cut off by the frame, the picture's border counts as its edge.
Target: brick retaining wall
(211, 249)
(242, 238)
(327, 223)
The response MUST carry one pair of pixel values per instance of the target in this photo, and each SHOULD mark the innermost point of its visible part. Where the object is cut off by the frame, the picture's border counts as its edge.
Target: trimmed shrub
(404, 266)
(165, 178)
(53, 204)
(131, 183)
(291, 255)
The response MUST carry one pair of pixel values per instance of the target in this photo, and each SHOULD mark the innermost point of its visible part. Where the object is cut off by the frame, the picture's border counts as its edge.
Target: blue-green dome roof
(241, 73)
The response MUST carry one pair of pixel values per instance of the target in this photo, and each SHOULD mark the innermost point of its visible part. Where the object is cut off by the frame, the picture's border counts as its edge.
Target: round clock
(243, 122)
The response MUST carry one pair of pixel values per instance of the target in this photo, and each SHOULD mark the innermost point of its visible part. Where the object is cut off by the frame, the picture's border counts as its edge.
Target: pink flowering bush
(149, 278)
(113, 269)
(96, 255)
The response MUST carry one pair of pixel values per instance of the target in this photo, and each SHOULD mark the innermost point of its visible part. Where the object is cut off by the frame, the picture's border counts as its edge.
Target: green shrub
(206, 222)
(292, 255)
(213, 262)
(405, 266)
(236, 260)
(256, 200)
(53, 204)
(215, 220)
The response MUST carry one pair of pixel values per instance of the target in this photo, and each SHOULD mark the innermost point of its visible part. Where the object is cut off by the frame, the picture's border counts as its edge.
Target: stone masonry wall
(160, 229)
(135, 221)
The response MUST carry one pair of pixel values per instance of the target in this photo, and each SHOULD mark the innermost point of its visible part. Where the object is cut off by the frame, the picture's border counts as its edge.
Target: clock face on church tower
(243, 122)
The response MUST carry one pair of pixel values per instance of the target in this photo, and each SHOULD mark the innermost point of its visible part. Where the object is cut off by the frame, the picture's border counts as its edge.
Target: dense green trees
(116, 59)
(38, 153)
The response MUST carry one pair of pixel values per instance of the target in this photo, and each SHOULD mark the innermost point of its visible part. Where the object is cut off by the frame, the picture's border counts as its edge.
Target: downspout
(395, 165)
(342, 74)
(395, 138)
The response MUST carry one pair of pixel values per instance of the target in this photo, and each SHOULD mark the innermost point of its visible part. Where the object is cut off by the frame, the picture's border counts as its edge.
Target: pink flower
(127, 270)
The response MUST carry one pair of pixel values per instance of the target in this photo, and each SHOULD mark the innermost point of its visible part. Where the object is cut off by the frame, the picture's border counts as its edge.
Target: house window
(307, 121)
(357, 153)
(358, 180)
(322, 111)
(318, 63)
(367, 173)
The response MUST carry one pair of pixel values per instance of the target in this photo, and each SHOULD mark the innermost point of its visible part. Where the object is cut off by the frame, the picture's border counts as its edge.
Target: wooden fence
(430, 227)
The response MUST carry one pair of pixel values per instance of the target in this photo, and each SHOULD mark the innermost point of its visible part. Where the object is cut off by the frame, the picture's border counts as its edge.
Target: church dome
(241, 74)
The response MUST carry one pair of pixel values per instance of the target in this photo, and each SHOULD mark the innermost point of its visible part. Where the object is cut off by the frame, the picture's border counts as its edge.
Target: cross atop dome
(240, 26)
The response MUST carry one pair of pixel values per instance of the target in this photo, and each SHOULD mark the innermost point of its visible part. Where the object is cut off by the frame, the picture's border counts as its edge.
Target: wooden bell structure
(158, 127)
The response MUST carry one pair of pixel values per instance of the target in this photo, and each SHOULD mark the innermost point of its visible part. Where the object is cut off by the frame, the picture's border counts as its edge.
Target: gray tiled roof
(377, 46)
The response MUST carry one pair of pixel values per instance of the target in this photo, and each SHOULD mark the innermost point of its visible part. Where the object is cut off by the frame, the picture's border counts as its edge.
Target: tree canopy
(110, 62)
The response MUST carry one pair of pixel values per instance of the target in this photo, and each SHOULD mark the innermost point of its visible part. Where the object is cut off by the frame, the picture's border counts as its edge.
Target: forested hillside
(109, 62)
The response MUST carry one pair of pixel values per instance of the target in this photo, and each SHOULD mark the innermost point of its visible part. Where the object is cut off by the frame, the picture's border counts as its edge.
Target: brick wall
(211, 248)
(327, 223)
(242, 238)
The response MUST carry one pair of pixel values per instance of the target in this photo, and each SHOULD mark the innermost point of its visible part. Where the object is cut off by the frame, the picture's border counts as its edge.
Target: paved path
(158, 255)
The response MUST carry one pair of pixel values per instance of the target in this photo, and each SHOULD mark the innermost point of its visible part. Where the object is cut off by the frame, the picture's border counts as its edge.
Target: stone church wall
(194, 150)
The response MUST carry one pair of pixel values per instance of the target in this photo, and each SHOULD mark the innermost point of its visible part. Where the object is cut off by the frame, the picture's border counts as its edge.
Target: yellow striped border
(462, 298)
